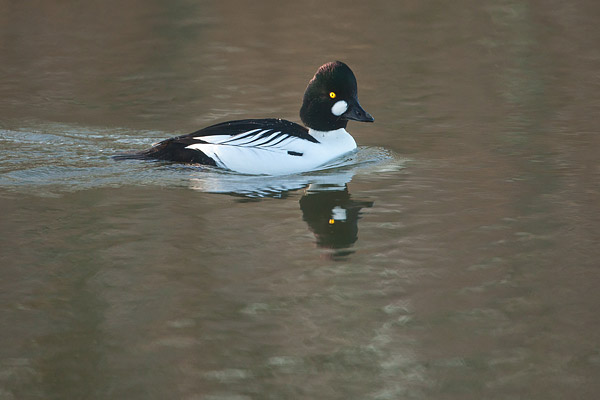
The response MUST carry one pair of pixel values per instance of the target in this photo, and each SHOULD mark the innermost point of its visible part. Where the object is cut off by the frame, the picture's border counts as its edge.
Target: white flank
(275, 154)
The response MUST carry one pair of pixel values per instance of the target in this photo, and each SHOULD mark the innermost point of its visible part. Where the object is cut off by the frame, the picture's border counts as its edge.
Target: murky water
(454, 256)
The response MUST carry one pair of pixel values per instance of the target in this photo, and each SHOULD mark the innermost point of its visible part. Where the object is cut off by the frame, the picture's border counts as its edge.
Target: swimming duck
(273, 146)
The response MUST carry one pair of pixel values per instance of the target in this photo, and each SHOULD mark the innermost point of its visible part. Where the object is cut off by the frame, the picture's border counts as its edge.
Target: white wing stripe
(256, 138)
(246, 139)
(264, 139)
(259, 136)
(221, 139)
(242, 135)
(280, 141)
(272, 137)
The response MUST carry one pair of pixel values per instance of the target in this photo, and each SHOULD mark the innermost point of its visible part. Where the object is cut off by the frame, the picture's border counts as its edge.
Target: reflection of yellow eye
(332, 221)
(332, 95)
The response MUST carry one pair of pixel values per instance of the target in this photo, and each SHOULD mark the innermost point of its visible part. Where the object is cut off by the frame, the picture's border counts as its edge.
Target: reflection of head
(333, 217)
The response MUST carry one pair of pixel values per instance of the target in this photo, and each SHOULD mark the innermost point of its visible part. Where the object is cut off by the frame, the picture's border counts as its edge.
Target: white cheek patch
(339, 108)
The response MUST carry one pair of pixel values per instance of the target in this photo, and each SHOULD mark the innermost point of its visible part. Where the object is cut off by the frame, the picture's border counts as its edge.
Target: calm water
(463, 257)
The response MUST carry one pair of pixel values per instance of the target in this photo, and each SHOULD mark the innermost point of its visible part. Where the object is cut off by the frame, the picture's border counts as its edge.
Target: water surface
(454, 256)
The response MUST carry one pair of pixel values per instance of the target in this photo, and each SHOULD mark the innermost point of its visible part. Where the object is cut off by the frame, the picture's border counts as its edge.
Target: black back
(236, 127)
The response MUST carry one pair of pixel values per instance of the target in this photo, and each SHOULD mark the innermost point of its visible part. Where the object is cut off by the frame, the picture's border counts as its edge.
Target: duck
(273, 146)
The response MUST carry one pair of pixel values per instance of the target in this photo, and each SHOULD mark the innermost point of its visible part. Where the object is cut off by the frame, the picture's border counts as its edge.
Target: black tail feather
(169, 150)
(132, 156)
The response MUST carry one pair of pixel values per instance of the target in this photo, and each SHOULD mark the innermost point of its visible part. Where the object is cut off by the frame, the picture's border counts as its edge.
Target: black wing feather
(245, 125)
(174, 149)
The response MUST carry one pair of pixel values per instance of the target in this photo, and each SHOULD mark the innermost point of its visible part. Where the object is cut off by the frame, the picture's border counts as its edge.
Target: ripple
(55, 158)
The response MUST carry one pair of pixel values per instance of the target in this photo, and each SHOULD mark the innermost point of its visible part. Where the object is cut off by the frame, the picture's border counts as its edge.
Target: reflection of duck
(327, 207)
(262, 186)
(332, 216)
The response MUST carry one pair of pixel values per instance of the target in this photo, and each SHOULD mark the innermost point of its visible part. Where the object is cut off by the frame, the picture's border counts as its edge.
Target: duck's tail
(141, 155)
(169, 150)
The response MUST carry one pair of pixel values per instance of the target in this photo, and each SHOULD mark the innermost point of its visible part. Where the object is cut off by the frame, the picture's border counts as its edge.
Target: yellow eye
(332, 95)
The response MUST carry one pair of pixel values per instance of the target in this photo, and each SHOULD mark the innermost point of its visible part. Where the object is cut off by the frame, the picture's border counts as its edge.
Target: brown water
(466, 264)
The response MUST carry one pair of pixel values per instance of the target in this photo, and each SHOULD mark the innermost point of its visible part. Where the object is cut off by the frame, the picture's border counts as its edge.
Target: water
(454, 256)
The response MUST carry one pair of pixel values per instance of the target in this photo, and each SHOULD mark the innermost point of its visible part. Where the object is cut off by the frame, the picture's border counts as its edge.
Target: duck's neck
(338, 138)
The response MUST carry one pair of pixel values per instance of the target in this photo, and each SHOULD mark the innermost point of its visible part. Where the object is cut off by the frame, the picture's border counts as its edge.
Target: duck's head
(331, 99)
